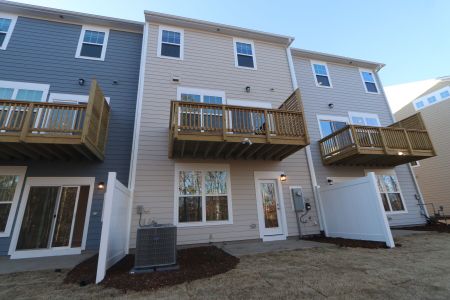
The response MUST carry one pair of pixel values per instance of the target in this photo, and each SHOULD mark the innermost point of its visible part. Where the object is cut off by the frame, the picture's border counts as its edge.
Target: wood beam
(219, 150)
(288, 152)
(183, 146)
(264, 151)
(254, 150)
(208, 148)
(69, 151)
(244, 149)
(235, 146)
(84, 152)
(11, 153)
(54, 152)
(22, 150)
(276, 152)
(197, 144)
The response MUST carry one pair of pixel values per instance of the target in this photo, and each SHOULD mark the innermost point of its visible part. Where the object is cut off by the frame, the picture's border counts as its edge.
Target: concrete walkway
(8, 265)
(254, 247)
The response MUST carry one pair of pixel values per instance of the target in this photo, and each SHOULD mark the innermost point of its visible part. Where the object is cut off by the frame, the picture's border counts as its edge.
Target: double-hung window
(369, 81)
(7, 23)
(244, 53)
(203, 194)
(321, 74)
(11, 180)
(92, 43)
(389, 189)
(364, 119)
(170, 43)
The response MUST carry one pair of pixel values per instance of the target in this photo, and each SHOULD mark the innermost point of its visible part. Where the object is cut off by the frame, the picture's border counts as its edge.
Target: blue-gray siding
(348, 94)
(43, 51)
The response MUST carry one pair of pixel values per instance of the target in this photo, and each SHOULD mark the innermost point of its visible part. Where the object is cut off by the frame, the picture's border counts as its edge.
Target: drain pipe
(309, 160)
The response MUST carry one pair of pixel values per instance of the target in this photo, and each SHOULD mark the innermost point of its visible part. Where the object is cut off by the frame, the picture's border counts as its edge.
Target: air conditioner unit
(156, 248)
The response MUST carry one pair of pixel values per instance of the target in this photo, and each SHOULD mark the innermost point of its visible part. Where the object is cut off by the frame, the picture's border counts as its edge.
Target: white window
(389, 189)
(444, 95)
(419, 105)
(23, 91)
(364, 119)
(188, 94)
(432, 99)
(92, 43)
(7, 24)
(415, 164)
(170, 43)
(244, 54)
(11, 181)
(329, 124)
(321, 74)
(369, 81)
(202, 195)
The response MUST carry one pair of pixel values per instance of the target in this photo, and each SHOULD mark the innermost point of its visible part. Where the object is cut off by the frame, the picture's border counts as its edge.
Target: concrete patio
(8, 265)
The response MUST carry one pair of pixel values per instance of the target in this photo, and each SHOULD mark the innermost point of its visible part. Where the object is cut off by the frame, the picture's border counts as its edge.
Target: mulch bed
(439, 227)
(195, 263)
(349, 243)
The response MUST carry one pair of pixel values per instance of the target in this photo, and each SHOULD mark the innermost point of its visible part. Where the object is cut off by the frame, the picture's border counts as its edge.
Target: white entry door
(269, 207)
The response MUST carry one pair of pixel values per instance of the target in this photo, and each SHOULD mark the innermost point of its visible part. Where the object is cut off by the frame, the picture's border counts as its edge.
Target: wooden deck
(212, 131)
(43, 130)
(397, 144)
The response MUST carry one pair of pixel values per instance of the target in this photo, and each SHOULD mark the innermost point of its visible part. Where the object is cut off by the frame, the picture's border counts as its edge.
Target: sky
(409, 36)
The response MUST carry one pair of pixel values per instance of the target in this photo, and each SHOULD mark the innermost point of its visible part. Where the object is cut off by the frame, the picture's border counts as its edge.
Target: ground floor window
(11, 180)
(202, 194)
(390, 192)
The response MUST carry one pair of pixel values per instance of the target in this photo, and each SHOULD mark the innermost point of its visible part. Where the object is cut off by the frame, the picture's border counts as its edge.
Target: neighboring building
(55, 144)
(337, 91)
(221, 182)
(434, 107)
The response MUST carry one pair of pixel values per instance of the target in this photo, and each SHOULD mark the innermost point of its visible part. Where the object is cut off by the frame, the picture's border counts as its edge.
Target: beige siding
(209, 63)
(433, 173)
(348, 94)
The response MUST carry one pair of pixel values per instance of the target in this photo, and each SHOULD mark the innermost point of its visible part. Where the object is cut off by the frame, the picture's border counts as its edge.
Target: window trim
(17, 85)
(318, 62)
(10, 29)
(81, 38)
(19, 171)
(72, 97)
(174, 29)
(202, 167)
(200, 91)
(330, 118)
(245, 41)
(351, 114)
(361, 70)
(402, 198)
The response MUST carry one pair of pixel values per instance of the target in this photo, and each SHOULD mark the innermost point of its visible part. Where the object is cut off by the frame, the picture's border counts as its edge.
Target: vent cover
(156, 246)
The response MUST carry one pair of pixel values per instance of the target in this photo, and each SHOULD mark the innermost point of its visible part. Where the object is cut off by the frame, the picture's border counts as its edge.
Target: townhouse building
(68, 97)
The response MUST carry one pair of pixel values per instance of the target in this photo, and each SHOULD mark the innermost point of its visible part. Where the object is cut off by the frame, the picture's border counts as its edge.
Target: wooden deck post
(27, 123)
(224, 123)
(383, 140)
(410, 148)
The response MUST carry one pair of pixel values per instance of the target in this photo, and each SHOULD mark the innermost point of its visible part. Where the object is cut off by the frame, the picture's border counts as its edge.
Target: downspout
(137, 125)
(413, 175)
(309, 160)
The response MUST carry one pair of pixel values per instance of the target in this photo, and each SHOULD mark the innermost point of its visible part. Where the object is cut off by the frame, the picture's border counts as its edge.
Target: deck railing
(391, 140)
(45, 122)
(217, 119)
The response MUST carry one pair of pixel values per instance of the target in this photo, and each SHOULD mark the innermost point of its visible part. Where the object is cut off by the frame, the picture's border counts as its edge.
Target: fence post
(27, 122)
(383, 140)
(224, 123)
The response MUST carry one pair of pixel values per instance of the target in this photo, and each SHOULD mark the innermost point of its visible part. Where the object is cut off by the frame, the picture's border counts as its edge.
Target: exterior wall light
(331, 105)
(247, 89)
(400, 153)
(283, 177)
(101, 185)
(81, 81)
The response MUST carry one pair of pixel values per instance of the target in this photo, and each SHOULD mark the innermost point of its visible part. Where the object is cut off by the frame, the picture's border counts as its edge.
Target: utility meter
(297, 199)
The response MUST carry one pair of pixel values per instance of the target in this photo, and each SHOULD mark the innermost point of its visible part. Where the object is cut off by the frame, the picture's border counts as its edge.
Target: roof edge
(156, 17)
(337, 59)
(69, 16)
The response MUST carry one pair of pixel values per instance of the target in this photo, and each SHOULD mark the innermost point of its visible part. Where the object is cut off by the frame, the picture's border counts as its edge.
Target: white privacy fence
(115, 225)
(354, 210)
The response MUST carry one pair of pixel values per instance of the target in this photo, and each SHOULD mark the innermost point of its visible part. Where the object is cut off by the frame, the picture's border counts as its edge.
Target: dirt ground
(417, 270)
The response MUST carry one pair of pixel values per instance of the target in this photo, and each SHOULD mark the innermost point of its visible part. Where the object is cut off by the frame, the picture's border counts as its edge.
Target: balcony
(212, 131)
(397, 144)
(43, 130)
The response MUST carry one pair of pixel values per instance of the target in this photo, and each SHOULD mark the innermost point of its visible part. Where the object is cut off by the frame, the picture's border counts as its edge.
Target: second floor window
(92, 43)
(321, 74)
(369, 81)
(6, 27)
(244, 54)
(170, 43)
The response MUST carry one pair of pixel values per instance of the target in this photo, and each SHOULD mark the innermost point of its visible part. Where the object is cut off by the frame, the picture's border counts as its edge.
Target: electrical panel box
(298, 199)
